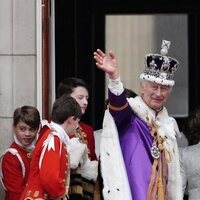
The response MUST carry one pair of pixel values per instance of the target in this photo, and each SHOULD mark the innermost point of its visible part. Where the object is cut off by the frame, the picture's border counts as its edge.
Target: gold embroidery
(157, 185)
(158, 140)
(29, 155)
(81, 135)
(28, 192)
(67, 174)
(36, 194)
(89, 187)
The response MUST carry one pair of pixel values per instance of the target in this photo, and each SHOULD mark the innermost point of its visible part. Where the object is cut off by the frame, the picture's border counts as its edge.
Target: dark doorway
(80, 29)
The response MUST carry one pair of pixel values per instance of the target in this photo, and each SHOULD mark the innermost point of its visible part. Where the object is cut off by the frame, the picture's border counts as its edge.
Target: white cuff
(116, 86)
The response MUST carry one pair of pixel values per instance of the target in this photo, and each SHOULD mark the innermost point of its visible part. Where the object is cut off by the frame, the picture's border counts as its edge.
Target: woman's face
(24, 133)
(81, 95)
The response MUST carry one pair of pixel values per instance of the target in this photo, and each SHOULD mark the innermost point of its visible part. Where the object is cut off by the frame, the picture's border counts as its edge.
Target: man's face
(154, 95)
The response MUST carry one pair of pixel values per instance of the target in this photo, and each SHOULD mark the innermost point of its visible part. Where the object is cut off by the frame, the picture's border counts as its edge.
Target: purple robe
(136, 142)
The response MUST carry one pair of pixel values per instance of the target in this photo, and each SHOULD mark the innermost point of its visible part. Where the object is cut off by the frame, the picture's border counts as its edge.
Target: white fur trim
(112, 165)
(157, 80)
(167, 126)
(89, 169)
(77, 151)
(116, 186)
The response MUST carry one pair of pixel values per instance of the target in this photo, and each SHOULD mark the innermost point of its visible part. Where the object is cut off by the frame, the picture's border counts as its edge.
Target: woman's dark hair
(27, 114)
(191, 129)
(68, 84)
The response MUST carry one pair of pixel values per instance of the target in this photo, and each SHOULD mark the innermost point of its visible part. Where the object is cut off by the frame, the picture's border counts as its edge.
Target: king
(139, 152)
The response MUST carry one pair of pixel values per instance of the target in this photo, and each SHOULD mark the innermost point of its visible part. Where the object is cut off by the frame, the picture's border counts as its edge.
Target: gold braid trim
(88, 186)
(97, 190)
(76, 182)
(159, 140)
(81, 134)
(165, 171)
(160, 186)
(157, 185)
(118, 108)
(157, 191)
(76, 190)
(82, 137)
(168, 155)
(153, 173)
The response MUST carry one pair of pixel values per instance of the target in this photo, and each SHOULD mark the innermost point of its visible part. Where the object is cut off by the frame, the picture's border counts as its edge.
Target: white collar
(30, 147)
(167, 125)
(60, 131)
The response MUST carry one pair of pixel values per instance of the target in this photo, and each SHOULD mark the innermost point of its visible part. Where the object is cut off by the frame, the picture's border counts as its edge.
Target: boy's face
(72, 124)
(24, 133)
(81, 95)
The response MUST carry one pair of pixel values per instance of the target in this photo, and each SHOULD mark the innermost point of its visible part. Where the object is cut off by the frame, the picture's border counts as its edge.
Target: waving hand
(107, 63)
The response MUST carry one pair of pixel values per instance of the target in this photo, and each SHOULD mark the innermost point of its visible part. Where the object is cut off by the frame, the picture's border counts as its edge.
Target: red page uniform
(15, 167)
(49, 173)
(87, 136)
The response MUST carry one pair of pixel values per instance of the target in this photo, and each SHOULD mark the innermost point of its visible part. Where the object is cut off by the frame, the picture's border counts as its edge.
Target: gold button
(29, 155)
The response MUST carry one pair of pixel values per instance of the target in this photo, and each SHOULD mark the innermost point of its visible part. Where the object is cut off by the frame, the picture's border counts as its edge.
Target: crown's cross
(164, 47)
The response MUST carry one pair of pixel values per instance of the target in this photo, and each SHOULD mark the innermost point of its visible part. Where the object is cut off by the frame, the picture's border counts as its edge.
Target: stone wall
(17, 63)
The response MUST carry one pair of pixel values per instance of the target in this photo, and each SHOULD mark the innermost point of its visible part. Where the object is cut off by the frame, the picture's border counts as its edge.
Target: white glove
(76, 152)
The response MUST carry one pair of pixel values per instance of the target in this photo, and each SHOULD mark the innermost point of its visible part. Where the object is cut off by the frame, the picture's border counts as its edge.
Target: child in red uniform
(78, 89)
(15, 162)
(49, 172)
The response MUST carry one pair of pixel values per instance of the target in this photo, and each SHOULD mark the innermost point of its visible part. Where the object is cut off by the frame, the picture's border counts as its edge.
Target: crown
(160, 68)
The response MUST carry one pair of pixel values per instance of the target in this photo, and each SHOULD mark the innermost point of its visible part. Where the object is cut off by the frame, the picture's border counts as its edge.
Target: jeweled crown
(160, 68)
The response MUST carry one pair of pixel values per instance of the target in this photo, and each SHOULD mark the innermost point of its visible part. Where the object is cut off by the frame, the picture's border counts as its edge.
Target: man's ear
(71, 119)
(142, 86)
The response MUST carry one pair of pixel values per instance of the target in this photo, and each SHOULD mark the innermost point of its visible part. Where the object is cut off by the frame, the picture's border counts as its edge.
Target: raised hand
(107, 63)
